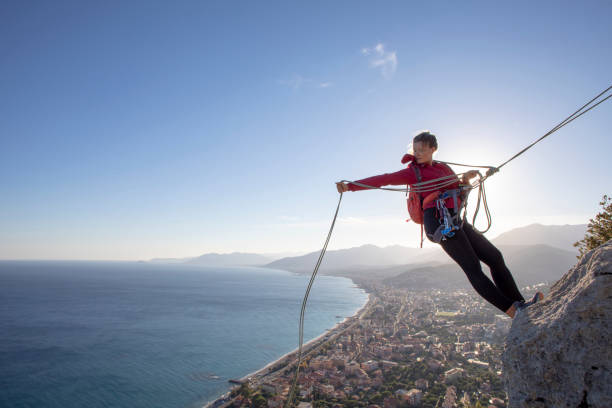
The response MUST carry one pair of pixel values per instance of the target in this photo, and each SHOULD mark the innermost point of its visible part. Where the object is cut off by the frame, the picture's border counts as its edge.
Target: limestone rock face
(559, 351)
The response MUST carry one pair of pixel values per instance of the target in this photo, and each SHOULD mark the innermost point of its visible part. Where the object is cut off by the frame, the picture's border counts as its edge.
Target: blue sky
(133, 130)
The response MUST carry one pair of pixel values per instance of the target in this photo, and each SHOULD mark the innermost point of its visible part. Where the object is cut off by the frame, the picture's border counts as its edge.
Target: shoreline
(310, 343)
(287, 359)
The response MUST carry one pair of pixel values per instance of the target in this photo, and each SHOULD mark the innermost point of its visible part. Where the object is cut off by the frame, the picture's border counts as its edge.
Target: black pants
(468, 247)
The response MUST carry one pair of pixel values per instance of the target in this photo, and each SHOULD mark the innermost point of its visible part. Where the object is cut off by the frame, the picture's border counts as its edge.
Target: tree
(259, 402)
(377, 398)
(599, 230)
(245, 390)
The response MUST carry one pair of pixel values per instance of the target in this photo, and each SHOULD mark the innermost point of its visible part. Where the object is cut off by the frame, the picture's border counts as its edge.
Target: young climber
(467, 246)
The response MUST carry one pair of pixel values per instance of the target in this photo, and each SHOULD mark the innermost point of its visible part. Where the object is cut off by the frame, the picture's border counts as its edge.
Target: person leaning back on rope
(467, 247)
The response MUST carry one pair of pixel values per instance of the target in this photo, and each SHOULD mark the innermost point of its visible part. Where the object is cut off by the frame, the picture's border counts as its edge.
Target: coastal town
(403, 349)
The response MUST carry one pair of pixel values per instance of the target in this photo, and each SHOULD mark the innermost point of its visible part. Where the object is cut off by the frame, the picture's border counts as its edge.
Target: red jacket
(408, 176)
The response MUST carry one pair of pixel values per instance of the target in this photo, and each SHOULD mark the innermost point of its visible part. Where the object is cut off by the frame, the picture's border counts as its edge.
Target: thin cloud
(385, 61)
(298, 82)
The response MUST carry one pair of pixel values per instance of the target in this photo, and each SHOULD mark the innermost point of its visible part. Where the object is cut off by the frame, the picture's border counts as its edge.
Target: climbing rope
(482, 196)
(303, 310)
(426, 186)
(564, 122)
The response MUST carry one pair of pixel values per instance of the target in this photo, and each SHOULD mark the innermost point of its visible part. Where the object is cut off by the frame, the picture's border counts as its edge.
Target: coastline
(311, 343)
(287, 360)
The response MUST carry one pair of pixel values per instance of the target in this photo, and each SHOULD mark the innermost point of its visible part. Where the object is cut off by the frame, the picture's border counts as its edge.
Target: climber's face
(423, 152)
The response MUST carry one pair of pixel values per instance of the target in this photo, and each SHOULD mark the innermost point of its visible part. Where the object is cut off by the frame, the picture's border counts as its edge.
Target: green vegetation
(243, 390)
(442, 333)
(599, 230)
(259, 402)
(446, 314)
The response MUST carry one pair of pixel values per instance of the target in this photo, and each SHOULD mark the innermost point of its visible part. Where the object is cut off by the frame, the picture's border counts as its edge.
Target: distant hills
(559, 236)
(515, 242)
(529, 264)
(226, 260)
(233, 259)
(357, 257)
(534, 253)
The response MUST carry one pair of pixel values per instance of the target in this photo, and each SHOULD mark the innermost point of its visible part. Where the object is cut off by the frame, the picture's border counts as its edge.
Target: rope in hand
(431, 185)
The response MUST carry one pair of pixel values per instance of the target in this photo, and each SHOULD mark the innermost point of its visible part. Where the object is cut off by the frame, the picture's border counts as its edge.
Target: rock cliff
(558, 352)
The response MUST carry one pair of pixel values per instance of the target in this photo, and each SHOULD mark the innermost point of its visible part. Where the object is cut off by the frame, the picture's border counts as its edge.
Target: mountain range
(534, 253)
(529, 264)
(233, 259)
(558, 236)
(357, 257)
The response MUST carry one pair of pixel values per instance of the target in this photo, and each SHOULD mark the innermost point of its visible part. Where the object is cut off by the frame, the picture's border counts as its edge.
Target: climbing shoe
(536, 298)
(522, 305)
(515, 308)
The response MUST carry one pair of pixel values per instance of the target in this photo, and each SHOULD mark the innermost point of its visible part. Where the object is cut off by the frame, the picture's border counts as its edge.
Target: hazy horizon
(272, 255)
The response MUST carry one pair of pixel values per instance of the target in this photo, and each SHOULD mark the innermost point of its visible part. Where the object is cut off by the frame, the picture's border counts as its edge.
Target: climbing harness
(450, 223)
(416, 204)
(431, 186)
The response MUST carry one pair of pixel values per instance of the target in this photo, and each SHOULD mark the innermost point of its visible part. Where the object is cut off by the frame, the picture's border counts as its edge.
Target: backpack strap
(417, 171)
(421, 235)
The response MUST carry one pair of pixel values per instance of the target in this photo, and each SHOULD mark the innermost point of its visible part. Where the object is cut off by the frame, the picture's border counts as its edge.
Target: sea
(142, 334)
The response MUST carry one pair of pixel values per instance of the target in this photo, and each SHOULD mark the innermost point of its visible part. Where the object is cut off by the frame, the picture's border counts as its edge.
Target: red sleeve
(405, 176)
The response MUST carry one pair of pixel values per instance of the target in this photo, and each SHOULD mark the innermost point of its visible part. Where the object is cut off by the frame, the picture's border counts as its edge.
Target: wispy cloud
(385, 61)
(298, 81)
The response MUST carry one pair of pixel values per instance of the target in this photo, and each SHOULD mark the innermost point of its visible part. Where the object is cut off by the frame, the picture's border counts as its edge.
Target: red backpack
(415, 202)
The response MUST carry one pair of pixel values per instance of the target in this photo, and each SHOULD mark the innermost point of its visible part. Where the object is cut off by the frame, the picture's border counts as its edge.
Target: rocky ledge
(558, 352)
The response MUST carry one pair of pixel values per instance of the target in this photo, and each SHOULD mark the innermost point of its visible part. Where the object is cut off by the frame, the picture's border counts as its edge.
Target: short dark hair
(426, 137)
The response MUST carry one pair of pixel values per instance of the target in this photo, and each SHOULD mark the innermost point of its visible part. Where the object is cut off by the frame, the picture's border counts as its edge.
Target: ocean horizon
(139, 334)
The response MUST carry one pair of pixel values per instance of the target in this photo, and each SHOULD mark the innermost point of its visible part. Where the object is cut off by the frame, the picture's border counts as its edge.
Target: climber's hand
(469, 175)
(342, 187)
